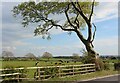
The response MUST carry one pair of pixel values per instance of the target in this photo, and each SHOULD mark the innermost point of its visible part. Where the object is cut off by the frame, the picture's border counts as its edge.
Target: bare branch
(77, 21)
(79, 11)
(57, 25)
(94, 32)
(49, 28)
(53, 24)
(92, 10)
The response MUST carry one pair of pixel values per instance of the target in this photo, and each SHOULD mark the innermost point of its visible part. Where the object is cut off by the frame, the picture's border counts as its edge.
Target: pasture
(46, 62)
(43, 62)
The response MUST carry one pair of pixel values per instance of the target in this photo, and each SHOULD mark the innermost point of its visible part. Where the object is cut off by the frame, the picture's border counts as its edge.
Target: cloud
(20, 43)
(8, 48)
(106, 11)
(107, 45)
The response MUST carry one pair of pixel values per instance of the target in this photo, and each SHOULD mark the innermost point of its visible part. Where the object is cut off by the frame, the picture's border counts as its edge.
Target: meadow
(43, 62)
(52, 62)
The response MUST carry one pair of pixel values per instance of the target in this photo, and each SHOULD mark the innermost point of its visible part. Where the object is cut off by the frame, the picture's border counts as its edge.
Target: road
(110, 79)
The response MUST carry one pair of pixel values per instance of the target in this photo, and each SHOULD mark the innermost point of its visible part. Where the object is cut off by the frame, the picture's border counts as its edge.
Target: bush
(117, 66)
(51, 71)
(106, 66)
(87, 59)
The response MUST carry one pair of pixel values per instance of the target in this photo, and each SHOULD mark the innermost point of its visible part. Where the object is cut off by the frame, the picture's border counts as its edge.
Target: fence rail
(42, 73)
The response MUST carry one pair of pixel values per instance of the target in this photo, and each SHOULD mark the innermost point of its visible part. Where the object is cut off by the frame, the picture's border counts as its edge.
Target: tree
(77, 16)
(7, 55)
(30, 56)
(47, 55)
(76, 57)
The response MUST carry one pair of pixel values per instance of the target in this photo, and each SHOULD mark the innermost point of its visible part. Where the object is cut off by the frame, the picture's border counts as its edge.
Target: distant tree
(30, 56)
(7, 55)
(76, 57)
(47, 55)
(113, 57)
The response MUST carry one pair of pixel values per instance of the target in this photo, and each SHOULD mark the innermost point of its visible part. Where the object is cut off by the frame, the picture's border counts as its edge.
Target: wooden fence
(42, 73)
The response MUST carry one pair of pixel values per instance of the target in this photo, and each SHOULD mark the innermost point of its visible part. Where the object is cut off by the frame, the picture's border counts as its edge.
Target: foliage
(7, 55)
(30, 56)
(47, 55)
(117, 66)
(76, 57)
(51, 71)
(106, 66)
(89, 59)
(42, 12)
(85, 58)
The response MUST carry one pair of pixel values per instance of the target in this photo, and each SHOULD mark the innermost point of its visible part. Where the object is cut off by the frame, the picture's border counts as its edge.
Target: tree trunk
(92, 53)
(90, 50)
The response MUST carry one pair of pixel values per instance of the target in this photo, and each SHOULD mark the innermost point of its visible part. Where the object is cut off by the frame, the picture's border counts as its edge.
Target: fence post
(18, 77)
(39, 73)
(73, 70)
(59, 71)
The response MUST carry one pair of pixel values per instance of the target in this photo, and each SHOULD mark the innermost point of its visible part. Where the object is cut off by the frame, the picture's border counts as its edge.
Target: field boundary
(44, 73)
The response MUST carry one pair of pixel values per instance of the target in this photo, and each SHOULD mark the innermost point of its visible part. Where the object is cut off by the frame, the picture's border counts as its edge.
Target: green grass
(86, 76)
(32, 63)
(30, 73)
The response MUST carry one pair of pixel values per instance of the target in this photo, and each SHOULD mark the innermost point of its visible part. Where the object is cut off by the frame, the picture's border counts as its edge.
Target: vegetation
(7, 55)
(108, 68)
(47, 55)
(86, 76)
(30, 56)
(76, 57)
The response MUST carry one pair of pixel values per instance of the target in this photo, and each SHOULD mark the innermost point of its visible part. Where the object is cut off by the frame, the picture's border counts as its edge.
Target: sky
(21, 40)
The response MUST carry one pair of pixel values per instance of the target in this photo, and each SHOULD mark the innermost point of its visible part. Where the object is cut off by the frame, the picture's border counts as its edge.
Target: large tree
(77, 15)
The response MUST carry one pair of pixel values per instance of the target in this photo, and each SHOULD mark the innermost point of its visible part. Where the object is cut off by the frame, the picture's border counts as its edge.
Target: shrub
(117, 66)
(51, 71)
(106, 66)
(87, 59)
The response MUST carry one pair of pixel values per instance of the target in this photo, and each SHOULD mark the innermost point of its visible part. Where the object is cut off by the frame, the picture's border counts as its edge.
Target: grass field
(86, 76)
(32, 63)
(43, 62)
(51, 62)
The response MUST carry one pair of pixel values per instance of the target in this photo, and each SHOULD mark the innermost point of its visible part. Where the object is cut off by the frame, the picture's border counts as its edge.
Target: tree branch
(53, 24)
(94, 32)
(76, 21)
(68, 17)
(81, 36)
(92, 10)
(80, 12)
(93, 36)
(57, 25)
(49, 28)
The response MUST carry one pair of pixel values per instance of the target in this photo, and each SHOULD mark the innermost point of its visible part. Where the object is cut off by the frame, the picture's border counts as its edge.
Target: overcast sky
(21, 40)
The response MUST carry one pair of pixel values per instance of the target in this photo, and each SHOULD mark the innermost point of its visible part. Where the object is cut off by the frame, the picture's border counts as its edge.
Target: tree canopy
(47, 55)
(7, 54)
(76, 15)
(30, 55)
